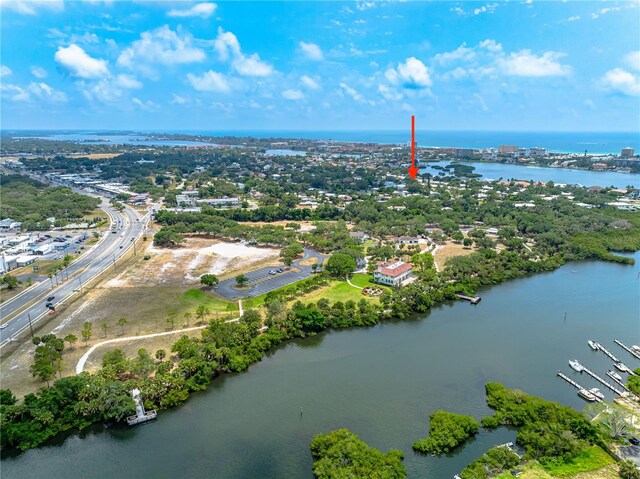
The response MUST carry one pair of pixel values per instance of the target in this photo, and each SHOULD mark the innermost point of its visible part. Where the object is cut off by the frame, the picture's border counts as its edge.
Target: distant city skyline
(323, 66)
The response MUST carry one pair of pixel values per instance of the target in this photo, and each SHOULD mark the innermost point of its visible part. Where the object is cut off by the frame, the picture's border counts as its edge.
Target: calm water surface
(380, 382)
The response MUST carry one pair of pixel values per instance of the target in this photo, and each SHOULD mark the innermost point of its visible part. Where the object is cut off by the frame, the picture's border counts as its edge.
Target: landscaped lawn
(364, 280)
(193, 298)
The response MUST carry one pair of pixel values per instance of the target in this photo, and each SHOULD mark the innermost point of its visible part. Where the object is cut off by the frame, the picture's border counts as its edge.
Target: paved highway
(129, 227)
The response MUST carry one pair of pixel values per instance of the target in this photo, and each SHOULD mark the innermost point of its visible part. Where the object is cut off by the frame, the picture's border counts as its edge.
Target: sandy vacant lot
(198, 256)
(450, 250)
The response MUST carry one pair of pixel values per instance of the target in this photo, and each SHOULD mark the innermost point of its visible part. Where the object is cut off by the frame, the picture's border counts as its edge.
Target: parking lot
(261, 282)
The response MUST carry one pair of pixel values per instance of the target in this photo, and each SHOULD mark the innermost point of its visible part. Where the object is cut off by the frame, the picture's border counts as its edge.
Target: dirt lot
(185, 265)
(304, 225)
(146, 293)
(450, 250)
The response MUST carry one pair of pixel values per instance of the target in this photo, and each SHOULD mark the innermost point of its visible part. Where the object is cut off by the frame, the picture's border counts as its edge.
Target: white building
(220, 201)
(536, 151)
(9, 224)
(392, 274)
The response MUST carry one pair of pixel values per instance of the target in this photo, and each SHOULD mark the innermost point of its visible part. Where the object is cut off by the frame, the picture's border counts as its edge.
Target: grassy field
(589, 460)
(193, 298)
(593, 463)
(364, 280)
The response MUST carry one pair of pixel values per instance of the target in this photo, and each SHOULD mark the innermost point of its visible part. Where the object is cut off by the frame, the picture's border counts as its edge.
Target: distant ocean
(560, 142)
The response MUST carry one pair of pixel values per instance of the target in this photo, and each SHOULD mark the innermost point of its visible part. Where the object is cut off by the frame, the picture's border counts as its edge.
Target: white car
(4, 326)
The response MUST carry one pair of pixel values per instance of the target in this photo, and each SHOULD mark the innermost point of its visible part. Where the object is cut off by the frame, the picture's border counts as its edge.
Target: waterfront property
(392, 274)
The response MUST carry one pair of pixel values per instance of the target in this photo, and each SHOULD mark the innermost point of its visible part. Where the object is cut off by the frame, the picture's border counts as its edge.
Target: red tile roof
(394, 269)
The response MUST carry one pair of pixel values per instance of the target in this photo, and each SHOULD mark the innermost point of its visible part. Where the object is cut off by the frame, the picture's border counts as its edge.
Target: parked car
(635, 441)
(272, 272)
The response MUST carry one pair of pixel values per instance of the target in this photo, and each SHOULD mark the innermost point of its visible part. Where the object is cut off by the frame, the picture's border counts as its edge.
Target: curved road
(129, 226)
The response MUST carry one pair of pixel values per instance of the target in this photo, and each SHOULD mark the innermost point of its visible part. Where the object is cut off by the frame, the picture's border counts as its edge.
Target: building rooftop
(394, 269)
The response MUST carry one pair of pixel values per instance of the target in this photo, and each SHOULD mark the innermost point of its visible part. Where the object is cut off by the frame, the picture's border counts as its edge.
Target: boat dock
(628, 349)
(608, 353)
(574, 384)
(471, 299)
(603, 382)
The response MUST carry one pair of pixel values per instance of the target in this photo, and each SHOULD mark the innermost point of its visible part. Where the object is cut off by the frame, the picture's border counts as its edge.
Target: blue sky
(518, 65)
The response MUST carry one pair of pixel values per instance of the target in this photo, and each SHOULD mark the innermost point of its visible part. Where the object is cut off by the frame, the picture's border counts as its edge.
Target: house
(358, 235)
(408, 240)
(392, 274)
(9, 224)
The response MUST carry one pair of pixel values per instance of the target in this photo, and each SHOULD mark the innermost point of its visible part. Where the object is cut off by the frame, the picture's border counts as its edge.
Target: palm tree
(121, 323)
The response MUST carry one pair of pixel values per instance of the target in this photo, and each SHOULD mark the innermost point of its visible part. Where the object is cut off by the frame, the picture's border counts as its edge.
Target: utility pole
(30, 326)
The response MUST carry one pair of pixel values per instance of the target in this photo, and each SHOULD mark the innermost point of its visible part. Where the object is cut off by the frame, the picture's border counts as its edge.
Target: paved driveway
(630, 452)
(261, 282)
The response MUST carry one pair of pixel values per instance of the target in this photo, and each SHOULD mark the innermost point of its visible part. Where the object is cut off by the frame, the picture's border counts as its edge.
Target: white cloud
(573, 18)
(79, 63)
(202, 10)
(293, 95)
(209, 81)
(389, 93)
(491, 45)
(227, 46)
(311, 51)
(42, 90)
(145, 105)
(526, 64)
(14, 92)
(362, 5)
(128, 82)
(351, 92)
(462, 53)
(488, 8)
(412, 74)
(30, 7)
(38, 72)
(163, 46)
(590, 104)
(5, 71)
(179, 100)
(622, 81)
(309, 82)
(632, 60)
(604, 11)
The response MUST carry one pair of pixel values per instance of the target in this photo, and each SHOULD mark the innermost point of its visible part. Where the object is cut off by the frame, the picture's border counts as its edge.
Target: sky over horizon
(520, 65)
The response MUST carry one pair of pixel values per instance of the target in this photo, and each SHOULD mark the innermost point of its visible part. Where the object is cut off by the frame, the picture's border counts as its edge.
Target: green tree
(11, 281)
(161, 354)
(202, 312)
(104, 327)
(86, 332)
(467, 242)
(187, 318)
(340, 264)
(422, 261)
(121, 322)
(171, 319)
(47, 359)
(241, 279)
(209, 280)
(71, 339)
(628, 470)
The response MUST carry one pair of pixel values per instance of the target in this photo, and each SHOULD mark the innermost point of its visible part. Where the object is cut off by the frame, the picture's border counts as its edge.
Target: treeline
(32, 202)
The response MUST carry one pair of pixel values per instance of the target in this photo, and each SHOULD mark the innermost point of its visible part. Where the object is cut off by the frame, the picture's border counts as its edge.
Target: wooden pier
(602, 381)
(574, 384)
(471, 299)
(628, 349)
(608, 353)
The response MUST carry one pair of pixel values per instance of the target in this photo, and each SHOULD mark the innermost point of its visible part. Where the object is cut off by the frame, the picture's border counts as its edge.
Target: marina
(603, 382)
(608, 353)
(582, 392)
(632, 351)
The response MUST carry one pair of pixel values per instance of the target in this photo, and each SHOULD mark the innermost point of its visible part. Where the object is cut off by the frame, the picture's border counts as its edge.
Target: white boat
(593, 345)
(576, 366)
(636, 348)
(596, 392)
(614, 375)
(621, 367)
(586, 395)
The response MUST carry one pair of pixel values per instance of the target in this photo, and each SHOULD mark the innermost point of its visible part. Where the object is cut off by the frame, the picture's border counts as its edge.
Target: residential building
(392, 274)
(9, 224)
(627, 152)
(507, 149)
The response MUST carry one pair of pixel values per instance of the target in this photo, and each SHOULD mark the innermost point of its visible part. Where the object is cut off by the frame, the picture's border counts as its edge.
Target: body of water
(506, 171)
(117, 139)
(560, 142)
(381, 382)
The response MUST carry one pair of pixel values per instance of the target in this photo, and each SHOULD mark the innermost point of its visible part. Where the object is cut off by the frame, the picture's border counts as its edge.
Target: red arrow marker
(413, 171)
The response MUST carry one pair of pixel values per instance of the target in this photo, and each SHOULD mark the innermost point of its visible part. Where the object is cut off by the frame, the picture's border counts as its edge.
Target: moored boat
(593, 345)
(596, 392)
(586, 395)
(575, 365)
(621, 367)
(636, 348)
(614, 375)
